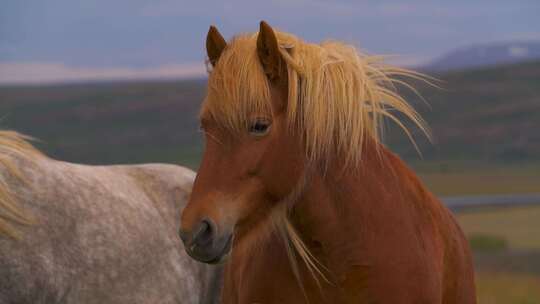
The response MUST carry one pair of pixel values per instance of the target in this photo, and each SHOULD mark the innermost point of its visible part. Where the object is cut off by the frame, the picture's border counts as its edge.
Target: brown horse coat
(296, 193)
(381, 236)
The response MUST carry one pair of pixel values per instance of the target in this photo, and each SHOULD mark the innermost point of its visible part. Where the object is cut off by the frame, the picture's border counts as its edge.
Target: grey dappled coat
(102, 234)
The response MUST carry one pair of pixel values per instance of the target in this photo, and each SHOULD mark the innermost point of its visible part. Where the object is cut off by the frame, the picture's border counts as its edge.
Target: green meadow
(507, 253)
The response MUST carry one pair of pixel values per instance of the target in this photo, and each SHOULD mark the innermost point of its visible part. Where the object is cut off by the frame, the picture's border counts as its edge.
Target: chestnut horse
(297, 190)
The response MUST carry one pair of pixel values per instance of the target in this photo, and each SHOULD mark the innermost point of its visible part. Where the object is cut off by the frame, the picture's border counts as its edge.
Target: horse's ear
(268, 51)
(215, 44)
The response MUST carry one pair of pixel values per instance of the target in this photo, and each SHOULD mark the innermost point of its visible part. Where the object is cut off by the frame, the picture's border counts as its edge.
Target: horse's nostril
(204, 233)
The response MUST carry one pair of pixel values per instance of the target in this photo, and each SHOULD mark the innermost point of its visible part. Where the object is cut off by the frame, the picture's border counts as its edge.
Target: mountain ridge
(485, 54)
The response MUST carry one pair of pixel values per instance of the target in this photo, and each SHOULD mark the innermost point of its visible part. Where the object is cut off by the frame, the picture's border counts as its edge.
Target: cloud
(180, 8)
(46, 72)
(290, 9)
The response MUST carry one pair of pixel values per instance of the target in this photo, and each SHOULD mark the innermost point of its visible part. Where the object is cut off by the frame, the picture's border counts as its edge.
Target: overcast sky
(94, 39)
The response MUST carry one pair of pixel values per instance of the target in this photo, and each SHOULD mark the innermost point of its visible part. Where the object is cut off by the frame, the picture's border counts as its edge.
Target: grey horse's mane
(13, 146)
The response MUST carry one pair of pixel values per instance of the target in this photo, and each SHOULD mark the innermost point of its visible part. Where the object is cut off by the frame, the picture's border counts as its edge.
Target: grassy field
(519, 226)
(507, 288)
(477, 178)
(109, 123)
(506, 245)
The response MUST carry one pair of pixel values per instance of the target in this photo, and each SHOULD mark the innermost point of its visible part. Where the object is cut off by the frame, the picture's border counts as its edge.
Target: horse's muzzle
(204, 244)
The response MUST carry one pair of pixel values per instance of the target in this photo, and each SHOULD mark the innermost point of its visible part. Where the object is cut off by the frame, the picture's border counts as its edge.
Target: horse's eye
(259, 127)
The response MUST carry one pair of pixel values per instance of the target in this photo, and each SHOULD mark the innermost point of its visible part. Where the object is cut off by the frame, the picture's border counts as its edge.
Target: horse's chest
(268, 278)
(270, 287)
(261, 280)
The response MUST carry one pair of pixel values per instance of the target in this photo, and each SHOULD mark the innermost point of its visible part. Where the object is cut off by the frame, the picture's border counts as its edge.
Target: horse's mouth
(217, 258)
(225, 252)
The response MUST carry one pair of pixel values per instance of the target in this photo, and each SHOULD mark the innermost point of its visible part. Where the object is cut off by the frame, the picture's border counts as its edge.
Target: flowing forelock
(337, 96)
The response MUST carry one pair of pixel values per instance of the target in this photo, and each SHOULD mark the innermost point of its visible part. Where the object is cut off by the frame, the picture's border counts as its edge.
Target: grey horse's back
(101, 234)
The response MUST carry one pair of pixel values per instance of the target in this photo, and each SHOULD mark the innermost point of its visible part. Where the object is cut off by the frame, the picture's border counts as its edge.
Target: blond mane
(337, 99)
(12, 145)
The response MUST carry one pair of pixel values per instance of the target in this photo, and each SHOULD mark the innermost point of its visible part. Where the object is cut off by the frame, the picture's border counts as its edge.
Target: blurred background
(118, 81)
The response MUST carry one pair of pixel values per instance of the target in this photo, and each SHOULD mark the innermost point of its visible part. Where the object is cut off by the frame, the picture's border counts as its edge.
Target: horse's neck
(341, 208)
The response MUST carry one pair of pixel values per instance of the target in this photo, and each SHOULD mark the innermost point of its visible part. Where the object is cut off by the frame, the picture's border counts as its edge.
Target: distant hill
(482, 114)
(486, 55)
(120, 122)
(488, 114)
